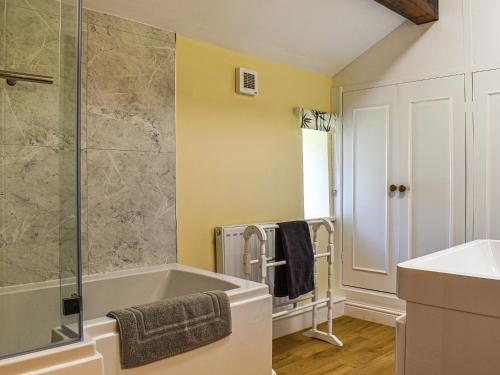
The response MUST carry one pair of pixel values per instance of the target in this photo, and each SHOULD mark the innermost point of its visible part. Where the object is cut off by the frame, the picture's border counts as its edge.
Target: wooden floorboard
(368, 350)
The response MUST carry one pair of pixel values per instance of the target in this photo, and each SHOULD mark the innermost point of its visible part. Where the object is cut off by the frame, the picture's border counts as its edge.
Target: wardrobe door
(432, 168)
(369, 150)
(487, 154)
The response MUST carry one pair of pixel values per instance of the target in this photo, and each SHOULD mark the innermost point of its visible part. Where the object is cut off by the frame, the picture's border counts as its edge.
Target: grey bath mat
(162, 329)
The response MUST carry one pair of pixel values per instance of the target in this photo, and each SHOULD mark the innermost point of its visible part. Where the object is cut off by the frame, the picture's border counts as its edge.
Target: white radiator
(229, 253)
(229, 247)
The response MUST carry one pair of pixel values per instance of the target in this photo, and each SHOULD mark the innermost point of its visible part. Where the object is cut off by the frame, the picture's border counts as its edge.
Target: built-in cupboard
(486, 154)
(404, 176)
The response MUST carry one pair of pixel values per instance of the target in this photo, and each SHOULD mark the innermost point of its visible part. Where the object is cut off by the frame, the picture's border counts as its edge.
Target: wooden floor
(368, 349)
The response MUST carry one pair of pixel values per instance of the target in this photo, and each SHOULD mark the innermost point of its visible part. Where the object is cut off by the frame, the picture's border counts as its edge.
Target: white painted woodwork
(486, 154)
(466, 40)
(414, 52)
(485, 33)
(369, 150)
(410, 135)
(432, 166)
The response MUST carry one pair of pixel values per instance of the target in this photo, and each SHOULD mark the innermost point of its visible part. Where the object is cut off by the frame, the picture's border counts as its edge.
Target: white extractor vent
(246, 82)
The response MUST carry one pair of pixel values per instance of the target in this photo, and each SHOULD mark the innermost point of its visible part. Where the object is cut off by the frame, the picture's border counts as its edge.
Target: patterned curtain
(316, 120)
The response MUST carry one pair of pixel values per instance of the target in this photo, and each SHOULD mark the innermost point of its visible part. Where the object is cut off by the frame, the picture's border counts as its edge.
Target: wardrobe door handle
(393, 188)
(402, 188)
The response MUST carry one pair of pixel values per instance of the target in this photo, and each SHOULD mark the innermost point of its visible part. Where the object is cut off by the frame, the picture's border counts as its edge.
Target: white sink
(464, 278)
(452, 323)
(479, 258)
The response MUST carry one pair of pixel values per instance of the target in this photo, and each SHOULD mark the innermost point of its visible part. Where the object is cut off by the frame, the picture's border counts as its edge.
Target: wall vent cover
(246, 82)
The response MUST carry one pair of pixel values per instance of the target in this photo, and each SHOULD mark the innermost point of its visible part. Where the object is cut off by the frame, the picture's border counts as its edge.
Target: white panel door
(369, 163)
(487, 154)
(432, 168)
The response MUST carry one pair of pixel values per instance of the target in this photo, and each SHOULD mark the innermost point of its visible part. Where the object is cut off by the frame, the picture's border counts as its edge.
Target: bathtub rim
(246, 290)
(242, 285)
(57, 283)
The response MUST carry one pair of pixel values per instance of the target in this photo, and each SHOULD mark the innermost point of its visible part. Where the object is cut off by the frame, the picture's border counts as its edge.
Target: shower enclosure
(40, 277)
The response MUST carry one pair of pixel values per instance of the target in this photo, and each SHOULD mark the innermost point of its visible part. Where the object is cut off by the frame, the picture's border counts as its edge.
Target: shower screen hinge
(72, 305)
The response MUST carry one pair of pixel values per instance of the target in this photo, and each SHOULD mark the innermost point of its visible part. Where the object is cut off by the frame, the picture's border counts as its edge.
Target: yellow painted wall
(238, 158)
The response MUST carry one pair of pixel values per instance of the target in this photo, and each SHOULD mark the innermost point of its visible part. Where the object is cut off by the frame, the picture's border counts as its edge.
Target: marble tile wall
(32, 142)
(127, 147)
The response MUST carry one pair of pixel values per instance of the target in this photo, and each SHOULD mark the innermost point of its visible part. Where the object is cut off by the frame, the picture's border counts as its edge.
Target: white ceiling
(319, 35)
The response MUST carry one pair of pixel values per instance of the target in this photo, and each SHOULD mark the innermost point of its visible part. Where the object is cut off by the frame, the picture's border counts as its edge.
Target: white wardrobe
(487, 154)
(404, 174)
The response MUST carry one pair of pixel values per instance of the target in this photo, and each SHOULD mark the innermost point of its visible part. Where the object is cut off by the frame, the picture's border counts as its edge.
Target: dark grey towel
(173, 326)
(293, 244)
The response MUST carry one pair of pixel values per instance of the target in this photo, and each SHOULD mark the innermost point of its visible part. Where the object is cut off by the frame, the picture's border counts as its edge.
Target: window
(316, 147)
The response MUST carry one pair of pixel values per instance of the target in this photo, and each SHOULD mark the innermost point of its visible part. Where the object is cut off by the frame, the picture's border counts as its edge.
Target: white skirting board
(302, 320)
(372, 313)
(342, 306)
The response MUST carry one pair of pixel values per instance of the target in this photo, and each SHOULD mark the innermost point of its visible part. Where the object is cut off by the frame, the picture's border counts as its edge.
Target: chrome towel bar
(13, 77)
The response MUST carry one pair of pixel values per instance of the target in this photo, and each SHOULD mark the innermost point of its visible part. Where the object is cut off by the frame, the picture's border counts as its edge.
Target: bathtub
(247, 351)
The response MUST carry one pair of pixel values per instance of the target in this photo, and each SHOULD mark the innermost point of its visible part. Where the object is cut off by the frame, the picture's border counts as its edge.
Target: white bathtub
(247, 351)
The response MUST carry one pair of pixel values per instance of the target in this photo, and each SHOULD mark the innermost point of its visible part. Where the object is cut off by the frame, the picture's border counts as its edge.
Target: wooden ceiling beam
(417, 11)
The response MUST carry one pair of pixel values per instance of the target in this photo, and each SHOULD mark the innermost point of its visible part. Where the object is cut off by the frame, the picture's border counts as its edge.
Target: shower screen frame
(77, 331)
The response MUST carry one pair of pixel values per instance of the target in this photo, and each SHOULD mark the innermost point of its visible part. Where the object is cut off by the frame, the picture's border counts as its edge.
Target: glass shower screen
(39, 175)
